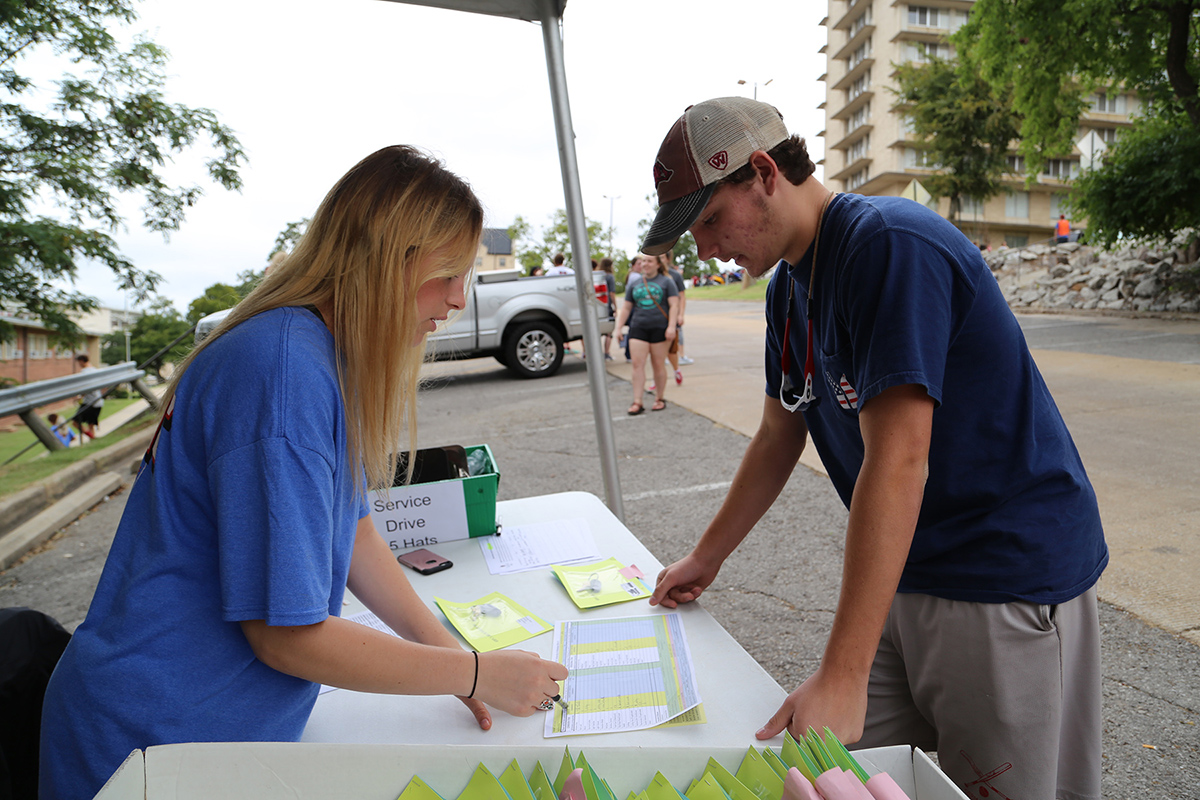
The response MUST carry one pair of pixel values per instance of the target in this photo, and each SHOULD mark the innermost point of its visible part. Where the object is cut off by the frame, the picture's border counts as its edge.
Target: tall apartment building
(869, 145)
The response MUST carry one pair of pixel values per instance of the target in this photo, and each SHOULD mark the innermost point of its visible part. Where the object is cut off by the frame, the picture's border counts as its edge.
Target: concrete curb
(32, 515)
(25, 537)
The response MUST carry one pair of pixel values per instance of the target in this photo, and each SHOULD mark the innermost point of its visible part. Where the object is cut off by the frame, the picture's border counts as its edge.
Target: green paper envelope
(819, 753)
(564, 769)
(418, 790)
(514, 782)
(539, 784)
(483, 786)
(707, 788)
(732, 786)
(493, 621)
(776, 763)
(757, 774)
(593, 786)
(842, 756)
(660, 788)
(794, 755)
(599, 584)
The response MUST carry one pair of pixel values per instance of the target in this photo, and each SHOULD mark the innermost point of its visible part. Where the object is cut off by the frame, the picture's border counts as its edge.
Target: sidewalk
(34, 514)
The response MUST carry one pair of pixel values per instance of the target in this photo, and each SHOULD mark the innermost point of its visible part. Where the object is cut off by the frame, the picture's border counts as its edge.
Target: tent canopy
(528, 10)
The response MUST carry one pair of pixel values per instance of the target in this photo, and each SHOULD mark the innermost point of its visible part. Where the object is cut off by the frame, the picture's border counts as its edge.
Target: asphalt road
(777, 593)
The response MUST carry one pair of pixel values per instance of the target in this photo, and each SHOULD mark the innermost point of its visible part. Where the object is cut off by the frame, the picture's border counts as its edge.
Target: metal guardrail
(25, 400)
(29, 396)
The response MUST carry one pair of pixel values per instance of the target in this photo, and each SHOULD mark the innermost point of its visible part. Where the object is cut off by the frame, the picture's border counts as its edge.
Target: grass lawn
(38, 463)
(734, 291)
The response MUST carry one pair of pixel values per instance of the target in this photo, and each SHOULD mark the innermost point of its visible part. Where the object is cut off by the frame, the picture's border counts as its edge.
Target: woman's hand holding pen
(517, 681)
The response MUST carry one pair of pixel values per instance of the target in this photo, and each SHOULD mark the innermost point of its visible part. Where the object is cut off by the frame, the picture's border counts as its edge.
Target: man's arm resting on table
(887, 499)
(427, 661)
(766, 466)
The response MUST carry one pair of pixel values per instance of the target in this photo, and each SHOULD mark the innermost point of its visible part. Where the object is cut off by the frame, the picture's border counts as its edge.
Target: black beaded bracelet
(475, 682)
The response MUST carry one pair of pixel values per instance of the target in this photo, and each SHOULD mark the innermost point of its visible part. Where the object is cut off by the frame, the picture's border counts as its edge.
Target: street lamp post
(743, 83)
(610, 199)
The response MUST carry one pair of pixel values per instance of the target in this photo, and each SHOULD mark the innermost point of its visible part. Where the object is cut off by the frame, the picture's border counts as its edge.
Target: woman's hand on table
(517, 681)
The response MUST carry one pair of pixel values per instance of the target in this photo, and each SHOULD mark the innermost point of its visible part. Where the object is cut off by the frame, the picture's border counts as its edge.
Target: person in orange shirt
(1062, 229)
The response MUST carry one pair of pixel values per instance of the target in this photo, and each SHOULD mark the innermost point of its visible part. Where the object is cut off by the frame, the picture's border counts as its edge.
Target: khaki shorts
(1007, 694)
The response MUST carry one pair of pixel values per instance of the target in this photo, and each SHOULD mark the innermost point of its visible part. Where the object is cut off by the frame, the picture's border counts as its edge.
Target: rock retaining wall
(1073, 276)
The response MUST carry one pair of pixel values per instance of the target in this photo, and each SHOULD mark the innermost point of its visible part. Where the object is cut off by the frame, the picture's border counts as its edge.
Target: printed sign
(420, 515)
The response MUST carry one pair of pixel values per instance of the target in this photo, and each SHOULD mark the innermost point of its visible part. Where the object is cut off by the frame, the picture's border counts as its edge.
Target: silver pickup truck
(522, 322)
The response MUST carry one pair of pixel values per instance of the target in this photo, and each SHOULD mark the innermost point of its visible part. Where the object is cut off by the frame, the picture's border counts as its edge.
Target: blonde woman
(650, 309)
(216, 617)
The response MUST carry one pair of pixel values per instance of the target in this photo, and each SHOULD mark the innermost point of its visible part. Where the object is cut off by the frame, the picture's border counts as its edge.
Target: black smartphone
(424, 561)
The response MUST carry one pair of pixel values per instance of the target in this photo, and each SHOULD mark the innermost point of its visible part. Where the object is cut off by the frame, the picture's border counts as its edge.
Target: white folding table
(738, 695)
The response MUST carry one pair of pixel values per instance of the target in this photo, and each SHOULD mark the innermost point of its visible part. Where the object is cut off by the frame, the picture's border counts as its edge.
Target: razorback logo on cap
(661, 173)
(719, 160)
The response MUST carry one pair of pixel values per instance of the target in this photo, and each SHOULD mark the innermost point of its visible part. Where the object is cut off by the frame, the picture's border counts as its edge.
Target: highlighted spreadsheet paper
(626, 674)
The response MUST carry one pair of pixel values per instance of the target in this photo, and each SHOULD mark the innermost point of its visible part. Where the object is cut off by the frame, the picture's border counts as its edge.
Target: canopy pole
(577, 229)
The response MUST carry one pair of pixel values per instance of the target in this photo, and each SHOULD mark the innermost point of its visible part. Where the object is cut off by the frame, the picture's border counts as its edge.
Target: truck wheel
(534, 350)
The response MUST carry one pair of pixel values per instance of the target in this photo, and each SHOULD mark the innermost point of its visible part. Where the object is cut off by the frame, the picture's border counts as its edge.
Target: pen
(561, 703)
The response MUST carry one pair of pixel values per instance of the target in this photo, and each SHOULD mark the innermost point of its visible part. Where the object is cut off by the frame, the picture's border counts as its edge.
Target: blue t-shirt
(245, 508)
(902, 297)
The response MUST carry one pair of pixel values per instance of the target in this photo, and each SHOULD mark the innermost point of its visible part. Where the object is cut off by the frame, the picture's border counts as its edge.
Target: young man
(967, 617)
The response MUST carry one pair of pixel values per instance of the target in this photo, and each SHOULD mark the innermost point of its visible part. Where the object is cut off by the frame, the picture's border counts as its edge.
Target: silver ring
(547, 704)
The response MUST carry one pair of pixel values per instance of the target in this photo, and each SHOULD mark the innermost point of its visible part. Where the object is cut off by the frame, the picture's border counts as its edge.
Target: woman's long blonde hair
(397, 219)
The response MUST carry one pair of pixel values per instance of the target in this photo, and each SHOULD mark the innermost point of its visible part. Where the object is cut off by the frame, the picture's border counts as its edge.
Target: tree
(108, 131)
(1055, 54)
(527, 256)
(1148, 186)
(157, 328)
(217, 297)
(964, 126)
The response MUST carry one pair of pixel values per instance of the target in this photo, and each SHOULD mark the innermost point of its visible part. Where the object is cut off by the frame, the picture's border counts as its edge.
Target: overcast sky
(311, 86)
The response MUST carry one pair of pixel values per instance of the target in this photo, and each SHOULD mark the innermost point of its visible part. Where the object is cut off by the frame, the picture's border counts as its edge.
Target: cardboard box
(424, 514)
(266, 770)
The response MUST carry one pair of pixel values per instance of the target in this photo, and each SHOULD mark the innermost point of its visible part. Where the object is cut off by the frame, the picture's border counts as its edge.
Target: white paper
(627, 674)
(539, 545)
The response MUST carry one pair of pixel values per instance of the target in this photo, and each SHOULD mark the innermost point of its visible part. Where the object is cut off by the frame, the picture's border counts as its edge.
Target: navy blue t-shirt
(902, 297)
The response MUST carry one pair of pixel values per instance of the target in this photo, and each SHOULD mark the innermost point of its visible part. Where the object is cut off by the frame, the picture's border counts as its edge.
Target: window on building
(503, 261)
(39, 346)
(861, 54)
(860, 23)
(970, 207)
(1058, 205)
(1016, 165)
(918, 159)
(859, 86)
(859, 118)
(1107, 135)
(921, 52)
(857, 179)
(925, 16)
(1016, 205)
(1105, 103)
(1017, 240)
(479, 261)
(1060, 168)
(858, 150)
